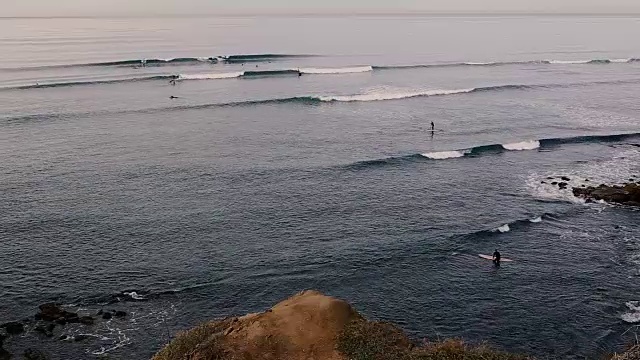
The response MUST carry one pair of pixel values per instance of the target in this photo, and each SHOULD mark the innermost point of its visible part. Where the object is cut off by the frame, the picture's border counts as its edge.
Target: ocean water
(296, 155)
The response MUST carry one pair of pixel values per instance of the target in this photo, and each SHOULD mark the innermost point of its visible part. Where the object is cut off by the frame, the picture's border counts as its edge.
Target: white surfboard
(488, 257)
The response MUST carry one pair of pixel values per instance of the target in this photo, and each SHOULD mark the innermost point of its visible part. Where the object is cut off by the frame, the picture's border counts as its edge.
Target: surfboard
(488, 257)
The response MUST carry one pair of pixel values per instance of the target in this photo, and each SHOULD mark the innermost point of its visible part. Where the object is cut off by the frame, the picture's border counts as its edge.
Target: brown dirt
(303, 327)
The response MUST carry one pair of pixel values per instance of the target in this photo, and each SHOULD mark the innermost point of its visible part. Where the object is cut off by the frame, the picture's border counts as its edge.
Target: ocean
(183, 169)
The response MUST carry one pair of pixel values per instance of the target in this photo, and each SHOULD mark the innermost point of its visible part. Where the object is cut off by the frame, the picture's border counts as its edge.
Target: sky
(167, 7)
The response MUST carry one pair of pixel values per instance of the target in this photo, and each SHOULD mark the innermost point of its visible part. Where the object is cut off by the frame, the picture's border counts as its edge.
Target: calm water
(256, 183)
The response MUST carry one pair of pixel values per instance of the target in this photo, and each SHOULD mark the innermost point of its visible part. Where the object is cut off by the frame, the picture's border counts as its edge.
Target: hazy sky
(151, 7)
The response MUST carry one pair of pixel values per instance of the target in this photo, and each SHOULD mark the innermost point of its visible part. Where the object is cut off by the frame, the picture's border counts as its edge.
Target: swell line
(544, 144)
(318, 99)
(230, 59)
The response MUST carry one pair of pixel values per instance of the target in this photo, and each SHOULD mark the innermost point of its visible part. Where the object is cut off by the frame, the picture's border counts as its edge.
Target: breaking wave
(90, 82)
(442, 155)
(310, 71)
(232, 59)
(500, 148)
(345, 70)
(524, 145)
(259, 57)
(212, 76)
(245, 58)
(393, 95)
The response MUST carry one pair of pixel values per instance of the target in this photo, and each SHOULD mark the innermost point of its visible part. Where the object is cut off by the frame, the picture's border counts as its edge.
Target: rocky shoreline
(627, 193)
(46, 323)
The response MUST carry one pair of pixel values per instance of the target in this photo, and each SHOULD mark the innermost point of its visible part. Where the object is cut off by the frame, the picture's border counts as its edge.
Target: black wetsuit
(433, 127)
(496, 257)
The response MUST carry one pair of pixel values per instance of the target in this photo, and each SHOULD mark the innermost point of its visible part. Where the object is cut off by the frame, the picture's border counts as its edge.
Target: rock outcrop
(628, 194)
(312, 326)
(4, 354)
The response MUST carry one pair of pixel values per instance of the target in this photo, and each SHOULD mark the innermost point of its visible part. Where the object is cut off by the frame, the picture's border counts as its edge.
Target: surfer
(173, 97)
(433, 127)
(172, 82)
(496, 257)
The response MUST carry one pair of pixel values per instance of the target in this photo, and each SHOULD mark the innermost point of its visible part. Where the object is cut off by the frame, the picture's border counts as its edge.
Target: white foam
(504, 228)
(212, 76)
(633, 305)
(347, 70)
(536, 220)
(524, 145)
(563, 62)
(480, 63)
(392, 95)
(631, 318)
(617, 169)
(441, 155)
(620, 61)
(134, 295)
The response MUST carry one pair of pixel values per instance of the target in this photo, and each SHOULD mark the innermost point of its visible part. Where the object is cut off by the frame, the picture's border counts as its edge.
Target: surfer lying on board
(496, 257)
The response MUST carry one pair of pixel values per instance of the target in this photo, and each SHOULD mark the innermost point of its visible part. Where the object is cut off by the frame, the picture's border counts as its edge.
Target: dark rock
(554, 183)
(13, 328)
(550, 177)
(4, 354)
(87, 320)
(587, 180)
(53, 312)
(563, 185)
(78, 338)
(45, 330)
(543, 182)
(31, 354)
(73, 319)
(564, 178)
(63, 337)
(99, 312)
(107, 316)
(628, 194)
(120, 314)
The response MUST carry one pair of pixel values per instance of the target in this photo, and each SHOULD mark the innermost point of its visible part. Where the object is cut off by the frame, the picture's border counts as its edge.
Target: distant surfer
(496, 257)
(433, 127)
(173, 97)
(172, 82)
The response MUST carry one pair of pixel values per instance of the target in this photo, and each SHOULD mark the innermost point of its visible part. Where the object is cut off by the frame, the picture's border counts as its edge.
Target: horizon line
(406, 13)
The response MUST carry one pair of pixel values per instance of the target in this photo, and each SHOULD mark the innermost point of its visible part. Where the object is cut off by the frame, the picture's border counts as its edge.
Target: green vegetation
(202, 342)
(632, 353)
(367, 340)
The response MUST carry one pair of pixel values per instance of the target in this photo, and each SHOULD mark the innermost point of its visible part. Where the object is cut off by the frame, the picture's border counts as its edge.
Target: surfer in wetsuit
(496, 257)
(433, 127)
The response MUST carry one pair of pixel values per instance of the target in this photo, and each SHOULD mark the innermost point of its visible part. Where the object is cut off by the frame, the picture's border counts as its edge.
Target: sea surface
(296, 154)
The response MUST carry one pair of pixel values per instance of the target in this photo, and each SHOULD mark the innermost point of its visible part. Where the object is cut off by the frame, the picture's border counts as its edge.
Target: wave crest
(524, 145)
(392, 95)
(346, 70)
(442, 155)
(500, 148)
(212, 76)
